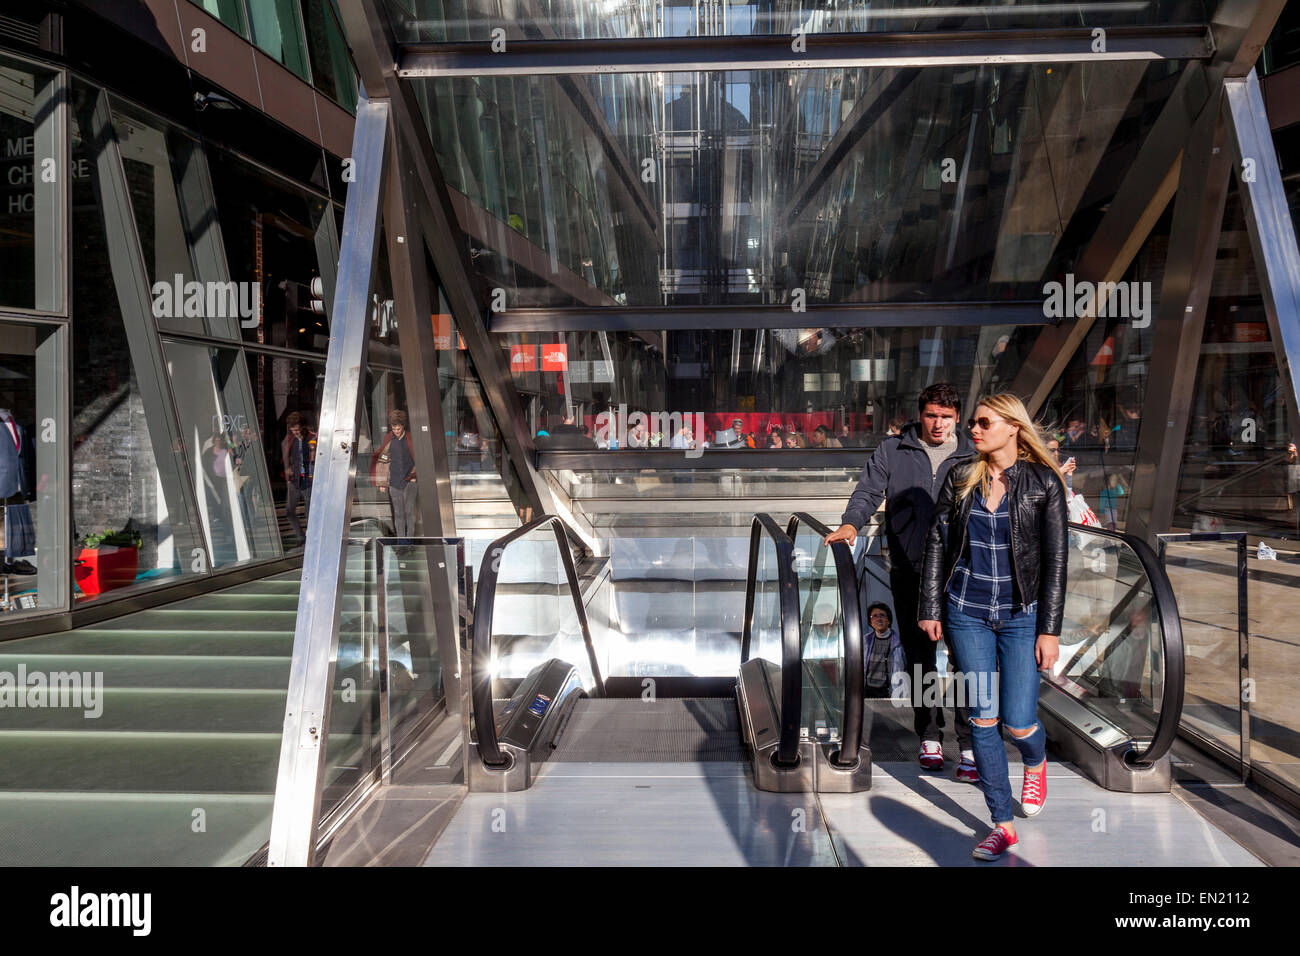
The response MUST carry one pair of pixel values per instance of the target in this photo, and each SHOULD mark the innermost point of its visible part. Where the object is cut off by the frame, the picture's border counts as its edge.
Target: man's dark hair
(825, 430)
(940, 393)
(295, 418)
(884, 607)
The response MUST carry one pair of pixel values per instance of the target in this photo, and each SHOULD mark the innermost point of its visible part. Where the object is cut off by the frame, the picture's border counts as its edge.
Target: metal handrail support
(489, 746)
(854, 665)
(1243, 629)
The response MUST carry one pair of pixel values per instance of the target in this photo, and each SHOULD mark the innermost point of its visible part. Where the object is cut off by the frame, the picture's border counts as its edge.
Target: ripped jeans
(998, 664)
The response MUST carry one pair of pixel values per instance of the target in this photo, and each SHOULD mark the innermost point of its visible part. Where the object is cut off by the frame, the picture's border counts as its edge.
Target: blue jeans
(997, 662)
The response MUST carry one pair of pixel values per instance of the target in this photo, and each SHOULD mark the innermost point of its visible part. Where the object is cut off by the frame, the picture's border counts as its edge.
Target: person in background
(401, 474)
(776, 439)
(882, 653)
(822, 438)
(906, 472)
(994, 581)
(298, 452)
(738, 427)
(1068, 467)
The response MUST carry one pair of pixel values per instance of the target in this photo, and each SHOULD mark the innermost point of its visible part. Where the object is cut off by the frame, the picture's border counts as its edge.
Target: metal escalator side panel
(535, 714)
(1098, 747)
(758, 692)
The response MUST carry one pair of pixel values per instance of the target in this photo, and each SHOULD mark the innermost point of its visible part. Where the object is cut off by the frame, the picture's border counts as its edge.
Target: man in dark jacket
(906, 471)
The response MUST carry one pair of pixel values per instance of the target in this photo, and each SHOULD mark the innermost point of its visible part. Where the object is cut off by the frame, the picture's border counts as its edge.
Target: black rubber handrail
(1171, 640)
(854, 675)
(787, 749)
(485, 724)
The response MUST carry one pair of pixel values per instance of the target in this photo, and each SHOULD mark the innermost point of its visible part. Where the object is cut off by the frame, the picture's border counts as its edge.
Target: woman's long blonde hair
(1031, 445)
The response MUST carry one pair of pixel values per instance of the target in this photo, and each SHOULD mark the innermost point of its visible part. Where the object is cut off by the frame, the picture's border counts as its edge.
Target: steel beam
(1179, 325)
(876, 315)
(370, 36)
(296, 810)
(1269, 224)
(819, 51)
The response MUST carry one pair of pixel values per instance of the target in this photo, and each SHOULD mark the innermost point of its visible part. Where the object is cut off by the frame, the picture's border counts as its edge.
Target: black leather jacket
(1039, 542)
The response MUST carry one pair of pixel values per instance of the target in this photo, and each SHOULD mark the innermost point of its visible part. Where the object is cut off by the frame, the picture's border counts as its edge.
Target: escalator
(1113, 702)
(538, 692)
(1111, 706)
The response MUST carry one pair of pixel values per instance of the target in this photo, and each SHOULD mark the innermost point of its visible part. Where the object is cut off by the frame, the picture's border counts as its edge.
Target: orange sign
(555, 357)
(442, 333)
(523, 358)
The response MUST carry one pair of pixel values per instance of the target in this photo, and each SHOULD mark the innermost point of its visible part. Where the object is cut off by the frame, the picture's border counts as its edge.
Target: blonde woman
(994, 580)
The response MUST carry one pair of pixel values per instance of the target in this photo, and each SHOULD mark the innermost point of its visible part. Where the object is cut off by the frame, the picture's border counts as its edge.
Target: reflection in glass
(533, 616)
(215, 400)
(33, 546)
(129, 479)
(277, 30)
(31, 221)
(1239, 471)
(285, 387)
(784, 187)
(279, 237)
(331, 65)
(817, 388)
(1111, 652)
(821, 627)
(592, 19)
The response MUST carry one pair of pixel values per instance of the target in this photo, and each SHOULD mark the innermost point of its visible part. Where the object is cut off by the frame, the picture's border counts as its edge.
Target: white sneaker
(931, 755)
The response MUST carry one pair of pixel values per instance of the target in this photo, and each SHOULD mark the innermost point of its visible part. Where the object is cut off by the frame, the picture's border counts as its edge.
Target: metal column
(315, 642)
(1268, 221)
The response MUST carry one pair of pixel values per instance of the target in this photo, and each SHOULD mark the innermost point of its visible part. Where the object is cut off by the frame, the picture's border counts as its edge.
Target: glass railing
(830, 626)
(1121, 640)
(528, 610)
(387, 677)
(771, 626)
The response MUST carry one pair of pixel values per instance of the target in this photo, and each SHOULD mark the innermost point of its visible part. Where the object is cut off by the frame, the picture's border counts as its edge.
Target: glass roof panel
(463, 20)
(828, 186)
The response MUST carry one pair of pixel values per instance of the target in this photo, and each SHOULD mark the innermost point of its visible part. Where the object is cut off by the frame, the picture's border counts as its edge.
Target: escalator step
(678, 729)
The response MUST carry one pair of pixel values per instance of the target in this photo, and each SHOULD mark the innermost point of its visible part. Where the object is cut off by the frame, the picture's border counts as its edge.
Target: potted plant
(107, 560)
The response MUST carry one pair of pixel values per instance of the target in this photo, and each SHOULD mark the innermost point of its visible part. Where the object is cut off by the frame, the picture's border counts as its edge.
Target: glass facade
(191, 331)
(1239, 471)
(589, 19)
(304, 35)
(786, 187)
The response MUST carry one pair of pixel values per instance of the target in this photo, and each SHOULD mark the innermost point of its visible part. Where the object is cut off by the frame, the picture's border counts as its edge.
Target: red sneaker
(931, 756)
(994, 845)
(1033, 794)
(966, 770)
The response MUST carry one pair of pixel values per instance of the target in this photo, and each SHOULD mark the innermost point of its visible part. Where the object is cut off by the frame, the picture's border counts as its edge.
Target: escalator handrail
(854, 665)
(791, 652)
(1171, 640)
(481, 701)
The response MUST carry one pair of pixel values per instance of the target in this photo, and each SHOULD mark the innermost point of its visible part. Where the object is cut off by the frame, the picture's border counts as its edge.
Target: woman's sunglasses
(984, 423)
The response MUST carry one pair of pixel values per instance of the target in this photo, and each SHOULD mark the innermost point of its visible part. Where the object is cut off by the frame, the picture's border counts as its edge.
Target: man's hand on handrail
(845, 532)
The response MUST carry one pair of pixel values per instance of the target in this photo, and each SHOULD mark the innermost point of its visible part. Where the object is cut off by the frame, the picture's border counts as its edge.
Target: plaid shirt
(981, 585)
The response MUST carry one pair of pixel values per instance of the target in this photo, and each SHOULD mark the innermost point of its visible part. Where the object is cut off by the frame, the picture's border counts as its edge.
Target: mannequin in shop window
(16, 489)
